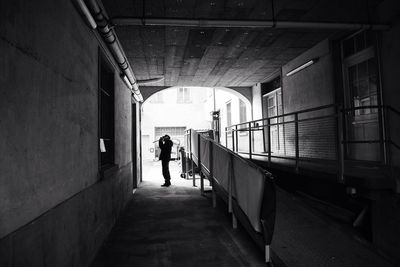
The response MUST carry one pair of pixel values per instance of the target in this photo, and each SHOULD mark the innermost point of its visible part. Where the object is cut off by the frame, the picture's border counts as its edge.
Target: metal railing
(325, 133)
(248, 189)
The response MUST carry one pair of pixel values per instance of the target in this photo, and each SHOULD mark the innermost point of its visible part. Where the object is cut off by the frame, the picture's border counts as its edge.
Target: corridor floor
(175, 226)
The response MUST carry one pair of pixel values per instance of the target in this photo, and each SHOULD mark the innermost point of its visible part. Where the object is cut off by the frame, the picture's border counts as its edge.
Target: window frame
(106, 162)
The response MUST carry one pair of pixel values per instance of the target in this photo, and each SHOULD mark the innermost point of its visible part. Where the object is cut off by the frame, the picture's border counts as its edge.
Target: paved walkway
(175, 226)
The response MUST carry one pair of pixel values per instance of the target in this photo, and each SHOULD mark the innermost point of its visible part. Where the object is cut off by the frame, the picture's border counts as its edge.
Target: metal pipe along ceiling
(210, 23)
(114, 45)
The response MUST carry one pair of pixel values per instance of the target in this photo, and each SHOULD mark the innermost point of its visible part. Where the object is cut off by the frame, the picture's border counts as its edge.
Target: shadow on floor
(176, 226)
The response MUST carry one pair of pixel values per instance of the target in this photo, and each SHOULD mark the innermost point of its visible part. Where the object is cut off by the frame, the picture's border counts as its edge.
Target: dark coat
(165, 147)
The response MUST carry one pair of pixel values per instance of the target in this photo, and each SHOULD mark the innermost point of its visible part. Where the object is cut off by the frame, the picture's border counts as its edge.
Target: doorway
(362, 96)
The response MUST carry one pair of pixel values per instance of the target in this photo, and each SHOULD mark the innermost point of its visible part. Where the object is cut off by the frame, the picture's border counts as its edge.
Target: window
(183, 95)
(242, 111)
(361, 72)
(177, 136)
(242, 114)
(363, 88)
(106, 113)
(361, 85)
(157, 98)
(357, 43)
(228, 114)
(177, 132)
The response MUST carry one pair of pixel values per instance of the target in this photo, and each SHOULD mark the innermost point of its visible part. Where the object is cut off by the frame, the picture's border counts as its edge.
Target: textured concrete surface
(175, 226)
(305, 238)
(206, 56)
(311, 87)
(48, 107)
(54, 210)
(71, 233)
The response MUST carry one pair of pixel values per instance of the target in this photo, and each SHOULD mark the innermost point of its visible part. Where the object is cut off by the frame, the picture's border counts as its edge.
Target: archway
(175, 109)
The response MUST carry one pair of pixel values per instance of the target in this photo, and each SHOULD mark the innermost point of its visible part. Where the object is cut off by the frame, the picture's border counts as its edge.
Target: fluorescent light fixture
(305, 65)
(85, 11)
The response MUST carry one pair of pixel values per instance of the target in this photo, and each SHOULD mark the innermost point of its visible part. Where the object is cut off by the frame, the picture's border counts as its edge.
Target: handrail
(257, 212)
(250, 163)
(291, 141)
(393, 110)
(286, 114)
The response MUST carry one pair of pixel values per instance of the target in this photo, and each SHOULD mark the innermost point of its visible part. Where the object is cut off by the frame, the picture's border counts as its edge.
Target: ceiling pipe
(86, 13)
(213, 23)
(110, 38)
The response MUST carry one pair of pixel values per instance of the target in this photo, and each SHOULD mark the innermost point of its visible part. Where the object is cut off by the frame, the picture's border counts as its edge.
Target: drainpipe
(214, 23)
(110, 38)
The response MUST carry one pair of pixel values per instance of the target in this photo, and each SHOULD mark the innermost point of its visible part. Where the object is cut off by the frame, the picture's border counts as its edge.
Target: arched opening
(174, 110)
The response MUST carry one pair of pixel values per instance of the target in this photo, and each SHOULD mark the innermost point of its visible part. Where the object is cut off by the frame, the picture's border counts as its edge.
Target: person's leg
(168, 176)
(165, 172)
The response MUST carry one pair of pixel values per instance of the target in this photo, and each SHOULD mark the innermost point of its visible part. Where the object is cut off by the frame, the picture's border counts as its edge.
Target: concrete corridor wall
(55, 210)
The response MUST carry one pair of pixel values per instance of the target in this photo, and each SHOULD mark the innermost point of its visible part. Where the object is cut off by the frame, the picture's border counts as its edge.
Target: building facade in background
(172, 111)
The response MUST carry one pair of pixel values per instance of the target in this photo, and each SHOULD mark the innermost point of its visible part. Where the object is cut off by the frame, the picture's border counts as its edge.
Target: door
(272, 107)
(362, 92)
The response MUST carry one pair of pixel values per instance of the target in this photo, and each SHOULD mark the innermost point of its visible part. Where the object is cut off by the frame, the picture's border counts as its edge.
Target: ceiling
(224, 56)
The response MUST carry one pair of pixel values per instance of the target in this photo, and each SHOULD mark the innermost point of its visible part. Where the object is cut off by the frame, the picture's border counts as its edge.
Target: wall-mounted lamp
(85, 11)
(299, 68)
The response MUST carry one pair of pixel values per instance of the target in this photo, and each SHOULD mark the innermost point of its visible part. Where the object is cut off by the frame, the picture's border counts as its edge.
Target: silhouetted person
(165, 145)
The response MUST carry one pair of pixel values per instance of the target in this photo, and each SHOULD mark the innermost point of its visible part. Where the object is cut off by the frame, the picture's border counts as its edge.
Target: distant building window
(183, 95)
(157, 98)
(106, 113)
(229, 113)
(242, 111)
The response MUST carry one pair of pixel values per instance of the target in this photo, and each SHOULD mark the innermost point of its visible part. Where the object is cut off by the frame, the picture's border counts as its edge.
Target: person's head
(166, 137)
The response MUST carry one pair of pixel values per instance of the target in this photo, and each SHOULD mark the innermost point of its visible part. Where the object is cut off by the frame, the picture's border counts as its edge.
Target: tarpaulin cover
(248, 189)
(252, 188)
(195, 148)
(221, 163)
(205, 152)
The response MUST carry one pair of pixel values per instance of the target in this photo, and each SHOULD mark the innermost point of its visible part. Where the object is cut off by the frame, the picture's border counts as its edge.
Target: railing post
(296, 130)
(382, 133)
(226, 136)
(191, 159)
(250, 143)
(236, 139)
(199, 165)
(230, 192)
(233, 140)
(230, 178)
(269, 141)
(340, 155)
(386, 123)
